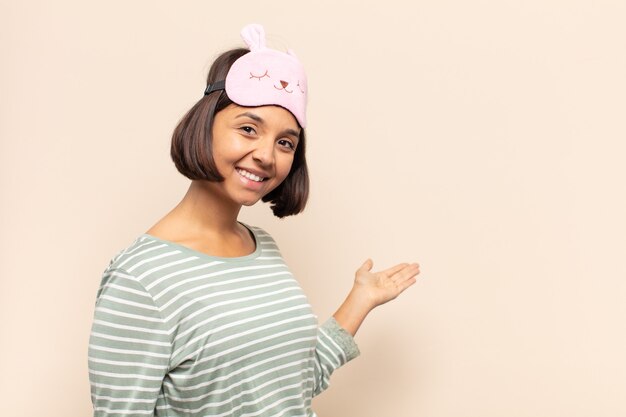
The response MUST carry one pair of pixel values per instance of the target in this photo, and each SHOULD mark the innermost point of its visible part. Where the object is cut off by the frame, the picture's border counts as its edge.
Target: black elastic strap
(219, 85)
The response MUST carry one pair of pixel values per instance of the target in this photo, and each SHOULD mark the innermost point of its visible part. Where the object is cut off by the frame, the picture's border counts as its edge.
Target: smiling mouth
(250, 175)
(284, 88)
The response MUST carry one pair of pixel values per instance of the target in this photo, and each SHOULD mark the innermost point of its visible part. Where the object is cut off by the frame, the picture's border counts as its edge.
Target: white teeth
(249, 175)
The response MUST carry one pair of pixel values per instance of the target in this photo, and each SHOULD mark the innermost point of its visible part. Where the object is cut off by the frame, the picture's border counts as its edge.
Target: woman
(200, 315)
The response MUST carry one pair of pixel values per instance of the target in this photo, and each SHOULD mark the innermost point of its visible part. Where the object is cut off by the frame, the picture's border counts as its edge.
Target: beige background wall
(483, 139)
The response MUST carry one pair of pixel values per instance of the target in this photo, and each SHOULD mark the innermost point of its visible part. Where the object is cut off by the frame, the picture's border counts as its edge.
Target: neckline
(187, 249)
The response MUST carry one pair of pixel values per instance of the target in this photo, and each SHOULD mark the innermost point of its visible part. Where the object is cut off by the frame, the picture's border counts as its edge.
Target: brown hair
(192, 148)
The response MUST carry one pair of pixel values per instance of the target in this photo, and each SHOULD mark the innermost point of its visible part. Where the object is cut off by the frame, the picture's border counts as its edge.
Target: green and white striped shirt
(179, 333)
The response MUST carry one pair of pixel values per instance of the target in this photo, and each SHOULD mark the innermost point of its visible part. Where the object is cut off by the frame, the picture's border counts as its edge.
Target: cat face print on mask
(266, 76)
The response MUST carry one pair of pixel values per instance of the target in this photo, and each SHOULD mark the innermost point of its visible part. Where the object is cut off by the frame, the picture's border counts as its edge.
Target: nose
(263, 152)
(284, 83)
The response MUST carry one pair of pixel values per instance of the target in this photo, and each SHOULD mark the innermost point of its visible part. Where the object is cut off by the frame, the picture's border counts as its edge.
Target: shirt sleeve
(335, 347)
(129, 348)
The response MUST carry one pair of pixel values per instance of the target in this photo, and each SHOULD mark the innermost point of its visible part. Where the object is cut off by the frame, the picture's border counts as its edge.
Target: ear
(292, 53)
(254, 36)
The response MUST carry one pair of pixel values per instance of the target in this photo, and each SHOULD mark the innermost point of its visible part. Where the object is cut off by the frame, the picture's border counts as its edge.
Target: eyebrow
(261, 121)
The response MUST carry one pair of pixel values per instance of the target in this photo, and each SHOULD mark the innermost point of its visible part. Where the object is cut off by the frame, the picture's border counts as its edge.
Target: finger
(367, 265)
(394, 269)
(403, 285)
(406, 273)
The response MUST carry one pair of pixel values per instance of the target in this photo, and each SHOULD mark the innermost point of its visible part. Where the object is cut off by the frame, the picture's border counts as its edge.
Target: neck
(203, 209)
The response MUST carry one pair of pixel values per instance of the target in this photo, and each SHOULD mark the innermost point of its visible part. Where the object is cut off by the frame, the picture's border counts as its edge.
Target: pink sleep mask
(265, 76)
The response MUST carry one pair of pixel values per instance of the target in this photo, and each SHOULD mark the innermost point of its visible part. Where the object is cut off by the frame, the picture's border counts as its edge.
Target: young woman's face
(253, 149)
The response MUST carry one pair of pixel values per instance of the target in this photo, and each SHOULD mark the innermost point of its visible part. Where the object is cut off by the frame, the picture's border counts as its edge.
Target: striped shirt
(177, 332)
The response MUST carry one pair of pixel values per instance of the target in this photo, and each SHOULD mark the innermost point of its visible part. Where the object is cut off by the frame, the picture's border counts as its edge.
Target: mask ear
(292, 53)
(254, 36)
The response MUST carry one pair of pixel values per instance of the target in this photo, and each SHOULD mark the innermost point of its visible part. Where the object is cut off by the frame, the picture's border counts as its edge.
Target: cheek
(228, 148)
(284, 166)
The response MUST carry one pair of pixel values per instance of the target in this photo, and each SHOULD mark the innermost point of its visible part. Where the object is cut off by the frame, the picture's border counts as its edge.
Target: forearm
(353, 311)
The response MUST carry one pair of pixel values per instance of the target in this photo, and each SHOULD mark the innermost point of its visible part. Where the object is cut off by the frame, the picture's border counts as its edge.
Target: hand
(372, 289)
(380, 287)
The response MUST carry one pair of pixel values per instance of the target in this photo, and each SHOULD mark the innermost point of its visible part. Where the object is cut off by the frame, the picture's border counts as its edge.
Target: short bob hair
(192, 150)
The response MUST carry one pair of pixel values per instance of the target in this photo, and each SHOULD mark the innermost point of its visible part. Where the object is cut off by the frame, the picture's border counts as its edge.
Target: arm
(335, 342)
(129, 348)
(335, 347)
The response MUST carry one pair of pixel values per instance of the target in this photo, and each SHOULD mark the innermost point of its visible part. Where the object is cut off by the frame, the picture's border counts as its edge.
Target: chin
(250, 202)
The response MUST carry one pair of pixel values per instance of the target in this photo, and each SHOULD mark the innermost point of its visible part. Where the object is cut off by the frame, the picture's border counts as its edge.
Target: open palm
(383, 286)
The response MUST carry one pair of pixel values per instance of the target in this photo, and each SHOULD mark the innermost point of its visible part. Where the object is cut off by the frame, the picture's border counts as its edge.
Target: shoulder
(260, 232)
(115, 270)
(265, 240)
(134, 254)
(142, 261)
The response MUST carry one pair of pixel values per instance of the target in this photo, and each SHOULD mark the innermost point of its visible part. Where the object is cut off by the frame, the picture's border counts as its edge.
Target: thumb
(367, 265)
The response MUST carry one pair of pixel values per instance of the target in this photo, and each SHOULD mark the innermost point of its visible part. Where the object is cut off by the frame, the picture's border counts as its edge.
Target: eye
(248, 129)
(287, 144)
(259, 76)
